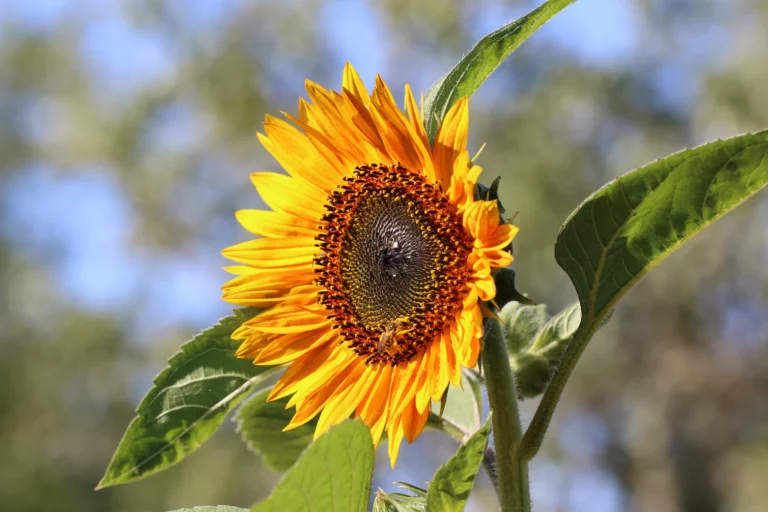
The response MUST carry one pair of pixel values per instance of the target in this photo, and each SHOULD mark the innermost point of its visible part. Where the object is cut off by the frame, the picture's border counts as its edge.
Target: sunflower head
(373, 260)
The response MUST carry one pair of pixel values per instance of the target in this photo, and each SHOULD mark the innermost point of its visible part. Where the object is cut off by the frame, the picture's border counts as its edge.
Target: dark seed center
(386, 260)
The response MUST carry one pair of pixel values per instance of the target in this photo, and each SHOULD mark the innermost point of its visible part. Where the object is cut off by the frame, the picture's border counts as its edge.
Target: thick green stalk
(512, 471)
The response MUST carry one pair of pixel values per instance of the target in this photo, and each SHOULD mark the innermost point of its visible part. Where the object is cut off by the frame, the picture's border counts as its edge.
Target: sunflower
(373, 262)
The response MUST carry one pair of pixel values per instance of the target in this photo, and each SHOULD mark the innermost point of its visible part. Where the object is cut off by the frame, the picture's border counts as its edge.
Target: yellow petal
(289, 195)
(298, 156)
(273, 252)
(395, 432)
(348, 396)
(286, 319)
(354, 84)
(276, 224)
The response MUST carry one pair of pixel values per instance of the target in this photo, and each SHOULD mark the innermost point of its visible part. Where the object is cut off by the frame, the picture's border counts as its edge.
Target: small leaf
(536, 343)
(452, 483)
(521, 323)
(399, 502)
(557, 329)
(261, 424)
(332, 475)
(626, 228)
(464, 79)
(189, 400)
(213, 508)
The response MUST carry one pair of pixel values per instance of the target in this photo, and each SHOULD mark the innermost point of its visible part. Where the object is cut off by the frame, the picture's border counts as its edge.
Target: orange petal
(290, 347)
(286, 319)
(373, 407)
(451, 139)
(309, 408)
(310, 364)
(407, 378)
(413, 422)
(349, 394)
(414, 116)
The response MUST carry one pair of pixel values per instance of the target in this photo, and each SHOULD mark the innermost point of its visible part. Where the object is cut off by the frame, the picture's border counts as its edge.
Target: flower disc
(394, 261)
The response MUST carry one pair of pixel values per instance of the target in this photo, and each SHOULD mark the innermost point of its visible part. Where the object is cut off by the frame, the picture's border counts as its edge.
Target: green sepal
(506, 291)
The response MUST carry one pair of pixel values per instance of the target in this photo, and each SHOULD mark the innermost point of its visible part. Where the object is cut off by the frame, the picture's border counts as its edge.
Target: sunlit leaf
(452, 483)
(521, 324)
(189, 400)
(464, 79)
(332, 475)
(626, 228)
(536, 343)
(399, 502)
(261, 424)
(212, 508)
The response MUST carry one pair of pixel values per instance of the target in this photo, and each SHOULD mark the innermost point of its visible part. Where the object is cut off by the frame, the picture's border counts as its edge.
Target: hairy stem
(511, 470)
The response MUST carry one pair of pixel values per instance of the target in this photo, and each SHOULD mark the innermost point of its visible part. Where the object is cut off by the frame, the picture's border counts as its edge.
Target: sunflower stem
(511, 469)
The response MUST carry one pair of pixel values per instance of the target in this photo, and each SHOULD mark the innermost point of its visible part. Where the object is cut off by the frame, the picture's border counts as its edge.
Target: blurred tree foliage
(669, 404)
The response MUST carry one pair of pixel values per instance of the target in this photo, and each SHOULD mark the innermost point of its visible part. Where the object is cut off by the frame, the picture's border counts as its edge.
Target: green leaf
(261, 424)
(332, 475)
(521, 324)
(399, 502)
(189, 400)
(626, 228)
(213, 508)
(537, 343)
(450, 487)
(464, 79)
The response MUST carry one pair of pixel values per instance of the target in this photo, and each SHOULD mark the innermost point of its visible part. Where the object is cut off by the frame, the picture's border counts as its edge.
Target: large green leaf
(332, 475)
(464, 79)
(189, 400)
(213, 508)
(261, 424)
(623, 230)
(627, 227)
(450, 487)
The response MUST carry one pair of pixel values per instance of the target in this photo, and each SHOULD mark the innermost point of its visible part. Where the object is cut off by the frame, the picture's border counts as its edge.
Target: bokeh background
(127, 133)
